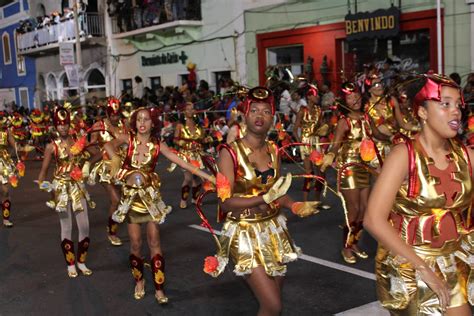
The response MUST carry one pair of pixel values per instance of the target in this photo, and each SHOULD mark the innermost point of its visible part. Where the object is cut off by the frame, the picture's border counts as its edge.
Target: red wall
(323, 40)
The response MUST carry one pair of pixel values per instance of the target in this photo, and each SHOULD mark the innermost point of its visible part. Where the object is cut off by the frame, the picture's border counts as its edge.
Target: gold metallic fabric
(247, 184)
(260, 239)
(402, 291)
(141, 202)
(265, 243)
(422, 221)
(190, 145)
(101, 169)
(67, 190)
(310, 122)
(353, 176)
(7, 166)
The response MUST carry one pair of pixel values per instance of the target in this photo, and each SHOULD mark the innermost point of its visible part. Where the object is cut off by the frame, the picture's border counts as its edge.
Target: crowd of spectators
(145, 13)
(47, 20)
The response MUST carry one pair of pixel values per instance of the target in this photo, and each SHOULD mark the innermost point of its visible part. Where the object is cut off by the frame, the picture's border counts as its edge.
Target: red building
(414, 49)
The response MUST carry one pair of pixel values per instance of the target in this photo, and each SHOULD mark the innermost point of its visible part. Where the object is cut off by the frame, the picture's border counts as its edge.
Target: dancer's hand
(279, 188)
(323, 130)
(303, 209)
(327, 161)
(45, 186)
(86, 169)
(436, 284)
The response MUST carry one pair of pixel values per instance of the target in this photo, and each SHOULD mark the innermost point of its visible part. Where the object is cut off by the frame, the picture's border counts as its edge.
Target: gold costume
(65, 188)
(384, 120)
(102, 168)
(190, 144)
(436, 231)
(260, 239)
(7, 166)
(348, 162)
(310, 124)
(141, 201)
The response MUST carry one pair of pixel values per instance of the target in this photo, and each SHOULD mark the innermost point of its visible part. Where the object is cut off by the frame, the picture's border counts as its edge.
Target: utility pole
(78, 50)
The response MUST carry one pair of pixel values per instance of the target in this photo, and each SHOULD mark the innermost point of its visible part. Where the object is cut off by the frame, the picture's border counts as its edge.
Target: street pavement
(34, 281)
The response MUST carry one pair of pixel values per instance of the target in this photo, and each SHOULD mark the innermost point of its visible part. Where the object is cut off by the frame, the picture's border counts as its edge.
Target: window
(410, 51)
(155, 82)
(221, 79)
(20, 59)
(7, 56)
(24, 99)
(127, 85)
(291, 57)
(182, 79)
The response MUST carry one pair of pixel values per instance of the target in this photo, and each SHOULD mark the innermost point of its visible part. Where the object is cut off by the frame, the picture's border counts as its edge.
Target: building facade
(51, 27)
(316, 37)
(17, 72)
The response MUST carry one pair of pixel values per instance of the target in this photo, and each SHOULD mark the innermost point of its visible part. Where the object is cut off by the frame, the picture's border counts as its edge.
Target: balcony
(179, 16)
(42, 40)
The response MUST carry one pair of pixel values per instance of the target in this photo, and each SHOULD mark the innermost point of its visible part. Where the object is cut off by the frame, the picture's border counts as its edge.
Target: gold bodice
(382, 112)
(189, 140)
(421, 219)
(349, 151)
(65, 162)
(310, 121)
(145, 167)
(247, 183)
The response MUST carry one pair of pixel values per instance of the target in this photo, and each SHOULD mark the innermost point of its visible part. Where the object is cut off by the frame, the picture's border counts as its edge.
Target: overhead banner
(381, 23)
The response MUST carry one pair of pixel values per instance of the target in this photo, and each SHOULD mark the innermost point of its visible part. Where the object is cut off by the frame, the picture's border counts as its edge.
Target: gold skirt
(253, 243)
(354, 177)
(141, 205)
(7, 166)
(313, 141)
(68, 190)
(402, 292)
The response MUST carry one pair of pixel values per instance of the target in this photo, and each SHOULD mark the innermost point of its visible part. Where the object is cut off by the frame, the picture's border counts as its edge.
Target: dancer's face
(443, 117)
(259, 118)
(189, 111)
(377, 88)
(144, 122)
(114, 119)
(63, 130)
(353, 101)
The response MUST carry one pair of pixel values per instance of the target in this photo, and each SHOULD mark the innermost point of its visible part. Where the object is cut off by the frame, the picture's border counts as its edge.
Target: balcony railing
(146, 16)
(90, 25)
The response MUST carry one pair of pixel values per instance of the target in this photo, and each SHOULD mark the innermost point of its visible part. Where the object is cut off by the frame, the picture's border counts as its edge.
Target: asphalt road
(34, 281)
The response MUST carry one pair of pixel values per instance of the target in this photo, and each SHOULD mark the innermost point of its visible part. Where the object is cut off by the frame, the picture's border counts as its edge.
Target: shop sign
(163, 59)
(378, 24)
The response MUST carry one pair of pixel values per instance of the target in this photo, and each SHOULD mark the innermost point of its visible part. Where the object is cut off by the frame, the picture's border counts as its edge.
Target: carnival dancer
(381, 110)
(237, 127)
(309, 126)
(69, 192)
(21, 135)
(251, 193)
(102, 132)
(349, 147)
(38, 131)
(420, 212)
(9, 171)
(190, 138)
(141, 201)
